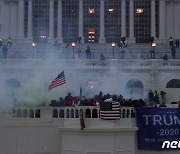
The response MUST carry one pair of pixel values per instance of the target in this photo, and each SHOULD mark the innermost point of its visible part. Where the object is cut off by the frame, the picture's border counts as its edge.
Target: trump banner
(158, 128)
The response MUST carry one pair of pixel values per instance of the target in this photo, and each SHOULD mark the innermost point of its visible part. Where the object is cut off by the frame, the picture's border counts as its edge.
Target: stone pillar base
(162, 40)
(82, 39)
(102, 40)
(131, 40)
(60, 40)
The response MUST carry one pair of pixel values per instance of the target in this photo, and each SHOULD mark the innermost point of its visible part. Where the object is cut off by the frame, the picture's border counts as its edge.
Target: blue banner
(156, 125)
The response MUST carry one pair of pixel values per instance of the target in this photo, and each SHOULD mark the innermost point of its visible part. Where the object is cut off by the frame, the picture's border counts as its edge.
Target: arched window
(61, 113)
(134, 88)
(94, 113)
(88, 113)
(31, 113)
(72, 113)
(174, 83)
(76, 113)
(37, 113)
(55, 113)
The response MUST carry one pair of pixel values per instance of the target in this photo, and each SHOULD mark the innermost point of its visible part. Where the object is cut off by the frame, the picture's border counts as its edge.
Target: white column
(162, 23)
(176, 19)
(131, 22)
(20, 20)
(59, 28)
(179, 23)
(153, 18)
(81, 20)
(30, 8)
(102, 38)
(51, 22)
(123, 18)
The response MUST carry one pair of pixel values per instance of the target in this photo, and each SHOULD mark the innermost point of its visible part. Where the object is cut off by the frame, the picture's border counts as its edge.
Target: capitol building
(97, 21)
(128, 42)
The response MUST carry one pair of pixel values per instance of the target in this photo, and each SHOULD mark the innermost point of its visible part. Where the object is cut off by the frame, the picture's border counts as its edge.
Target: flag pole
(67, 89)
(66, 84)
(80, 92)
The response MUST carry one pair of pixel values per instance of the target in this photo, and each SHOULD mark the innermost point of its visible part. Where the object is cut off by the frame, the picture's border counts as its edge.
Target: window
(174, 83)
(40, 20)
(70, 17)
(142, 21)
(91, 21)
(112, 20)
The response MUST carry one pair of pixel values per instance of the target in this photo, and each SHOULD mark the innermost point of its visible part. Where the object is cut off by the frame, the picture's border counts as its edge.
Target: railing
(69, 112)
(42, 52)
(91, 63)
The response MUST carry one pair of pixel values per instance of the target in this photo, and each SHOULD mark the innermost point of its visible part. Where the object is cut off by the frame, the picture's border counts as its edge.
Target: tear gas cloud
(34, 81)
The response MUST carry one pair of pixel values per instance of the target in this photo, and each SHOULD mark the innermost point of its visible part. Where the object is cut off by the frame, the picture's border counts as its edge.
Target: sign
(156, 125)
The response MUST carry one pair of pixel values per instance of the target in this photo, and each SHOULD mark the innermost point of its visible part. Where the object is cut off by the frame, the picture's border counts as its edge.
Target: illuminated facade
(89, 21)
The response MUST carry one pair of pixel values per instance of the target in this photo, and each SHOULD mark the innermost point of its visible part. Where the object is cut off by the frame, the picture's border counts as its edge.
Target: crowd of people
(69, 100)
(155, 99)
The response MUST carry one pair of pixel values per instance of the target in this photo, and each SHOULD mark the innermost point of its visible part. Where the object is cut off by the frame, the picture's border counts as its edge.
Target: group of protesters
(69, 100)
(5, 46)
(173, 45)
(154, 98)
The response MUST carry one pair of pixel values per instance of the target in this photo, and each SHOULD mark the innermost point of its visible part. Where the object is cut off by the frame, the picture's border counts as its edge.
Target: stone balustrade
(65, 112)
(91, 63)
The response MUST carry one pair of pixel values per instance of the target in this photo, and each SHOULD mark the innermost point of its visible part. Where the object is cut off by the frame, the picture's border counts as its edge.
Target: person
(82, 124)
(171, 41)
(165, 57)
(177, 43)
(173, 52)
(162, 93)
(88, 52)
(102, 57)
(5, 51)
(156, 97)
(119, 44)
(1, 41)
(9, 43)
(151, 97)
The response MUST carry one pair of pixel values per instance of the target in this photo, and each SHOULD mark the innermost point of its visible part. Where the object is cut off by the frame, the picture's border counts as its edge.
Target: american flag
(110, 110)
(59, 80)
